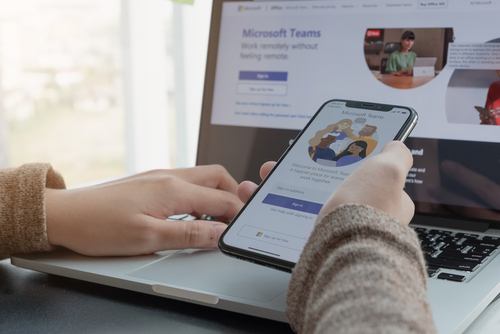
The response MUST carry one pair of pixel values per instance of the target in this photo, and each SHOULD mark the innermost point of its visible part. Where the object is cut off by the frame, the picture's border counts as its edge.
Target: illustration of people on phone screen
(366, 134)
(335, 143)
(321, 148)
(333, 133)
(320, 145)
(355, 152)
(342, 129)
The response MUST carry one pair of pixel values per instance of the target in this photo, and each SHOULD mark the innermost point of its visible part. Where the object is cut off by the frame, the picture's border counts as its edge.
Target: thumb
(186, 234)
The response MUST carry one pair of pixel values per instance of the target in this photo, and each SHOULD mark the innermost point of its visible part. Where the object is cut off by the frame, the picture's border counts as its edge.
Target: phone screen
(280, 217)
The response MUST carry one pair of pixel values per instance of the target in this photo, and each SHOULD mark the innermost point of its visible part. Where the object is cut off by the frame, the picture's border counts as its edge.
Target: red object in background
(373, 33)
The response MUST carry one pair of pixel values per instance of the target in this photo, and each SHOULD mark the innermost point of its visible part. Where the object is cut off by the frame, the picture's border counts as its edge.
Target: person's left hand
(127, 216)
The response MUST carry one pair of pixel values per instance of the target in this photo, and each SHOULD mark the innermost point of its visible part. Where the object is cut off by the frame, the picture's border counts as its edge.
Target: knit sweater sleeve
(361, 271)
(22, 207)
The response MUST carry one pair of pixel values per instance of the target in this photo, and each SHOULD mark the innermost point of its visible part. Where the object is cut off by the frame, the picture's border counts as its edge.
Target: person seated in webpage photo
(401, 62)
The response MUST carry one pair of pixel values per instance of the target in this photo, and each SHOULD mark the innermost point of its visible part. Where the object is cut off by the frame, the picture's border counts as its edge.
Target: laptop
(424, 66)
(270, 65)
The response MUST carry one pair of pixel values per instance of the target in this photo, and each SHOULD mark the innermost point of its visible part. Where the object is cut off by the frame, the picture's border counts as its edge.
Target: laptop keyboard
(454, 255)
(449, 255)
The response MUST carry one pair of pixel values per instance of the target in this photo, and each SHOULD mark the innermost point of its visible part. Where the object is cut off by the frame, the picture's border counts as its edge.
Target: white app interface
(282, 214)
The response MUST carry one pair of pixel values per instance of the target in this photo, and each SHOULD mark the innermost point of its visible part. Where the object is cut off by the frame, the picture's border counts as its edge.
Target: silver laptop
(424, 67)
(270, 66)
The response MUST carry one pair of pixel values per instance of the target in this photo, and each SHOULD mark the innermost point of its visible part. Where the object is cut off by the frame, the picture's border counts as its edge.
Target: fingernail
(220, 228)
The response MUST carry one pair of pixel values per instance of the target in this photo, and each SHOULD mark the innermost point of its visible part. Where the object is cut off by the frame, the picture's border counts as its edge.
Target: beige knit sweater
(22, 208)
(361, 270)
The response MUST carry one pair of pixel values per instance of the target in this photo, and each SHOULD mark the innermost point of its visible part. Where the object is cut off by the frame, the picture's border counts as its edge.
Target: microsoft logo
(259, 234)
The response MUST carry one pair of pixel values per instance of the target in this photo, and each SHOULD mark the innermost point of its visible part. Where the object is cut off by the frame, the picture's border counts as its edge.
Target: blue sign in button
(292, 203)
(263, 76)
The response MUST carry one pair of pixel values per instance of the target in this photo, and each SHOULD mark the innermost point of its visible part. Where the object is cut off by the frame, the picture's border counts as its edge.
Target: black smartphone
(274, 225)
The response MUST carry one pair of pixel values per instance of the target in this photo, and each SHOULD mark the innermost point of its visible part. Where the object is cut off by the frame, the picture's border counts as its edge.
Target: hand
(247, 188)
(485, 119)
(406, 72)
(495, 112)
(127, 216)
(378, 182)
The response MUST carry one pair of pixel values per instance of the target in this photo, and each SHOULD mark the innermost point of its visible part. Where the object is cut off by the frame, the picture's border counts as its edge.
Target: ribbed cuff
(22, 207)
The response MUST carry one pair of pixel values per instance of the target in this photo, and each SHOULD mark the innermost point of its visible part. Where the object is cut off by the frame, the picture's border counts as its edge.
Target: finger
(246, 190)
(199, 199)
(378, 182)
(407, 209)
(385, 170)
(397, 151)
(185, 234)
(212, 176)
(485, 188)
(266, 168)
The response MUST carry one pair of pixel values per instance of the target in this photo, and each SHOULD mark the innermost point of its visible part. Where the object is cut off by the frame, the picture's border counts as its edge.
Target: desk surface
(404, 82)
(33, 302)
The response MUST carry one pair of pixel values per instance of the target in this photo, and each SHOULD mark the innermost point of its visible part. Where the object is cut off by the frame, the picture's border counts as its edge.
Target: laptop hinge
(459, 224)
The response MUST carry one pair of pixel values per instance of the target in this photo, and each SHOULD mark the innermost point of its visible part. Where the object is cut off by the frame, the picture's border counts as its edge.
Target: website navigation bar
(357, 6)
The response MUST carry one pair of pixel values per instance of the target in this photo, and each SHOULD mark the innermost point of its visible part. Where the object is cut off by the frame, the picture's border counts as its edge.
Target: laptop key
(466, 235)
(475, 242)
(452, 264)
(447, 238)
(428, 250)
(478, 258)
(431, 270)
(451, 277)
(481, 250)
(441, 232)
(454, 248)
(493, 239)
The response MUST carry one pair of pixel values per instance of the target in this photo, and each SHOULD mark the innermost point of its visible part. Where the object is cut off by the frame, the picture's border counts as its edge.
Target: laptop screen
(271, 65)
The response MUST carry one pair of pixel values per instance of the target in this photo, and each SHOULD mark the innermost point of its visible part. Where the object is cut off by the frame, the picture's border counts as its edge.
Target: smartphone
(483, 111)
(274, 225)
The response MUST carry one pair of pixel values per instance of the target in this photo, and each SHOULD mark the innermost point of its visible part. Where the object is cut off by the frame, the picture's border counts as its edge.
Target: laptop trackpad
(210, 271)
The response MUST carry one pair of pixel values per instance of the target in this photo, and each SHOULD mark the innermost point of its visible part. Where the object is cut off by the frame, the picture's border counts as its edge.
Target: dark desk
(33, 302)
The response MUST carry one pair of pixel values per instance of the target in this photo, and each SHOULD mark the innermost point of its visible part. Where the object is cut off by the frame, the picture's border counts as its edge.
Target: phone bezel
(287, 266)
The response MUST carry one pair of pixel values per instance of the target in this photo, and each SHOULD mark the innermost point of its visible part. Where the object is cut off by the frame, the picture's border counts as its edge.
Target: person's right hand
(127, 216)
(378, 182)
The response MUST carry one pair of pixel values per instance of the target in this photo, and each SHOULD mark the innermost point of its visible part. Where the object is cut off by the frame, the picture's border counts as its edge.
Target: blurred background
(101, 88)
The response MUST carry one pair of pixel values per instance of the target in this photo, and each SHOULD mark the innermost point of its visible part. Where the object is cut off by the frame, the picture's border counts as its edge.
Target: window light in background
(101, 88)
